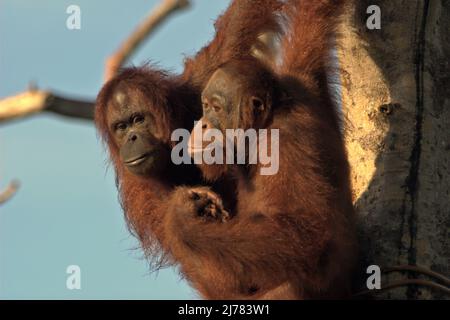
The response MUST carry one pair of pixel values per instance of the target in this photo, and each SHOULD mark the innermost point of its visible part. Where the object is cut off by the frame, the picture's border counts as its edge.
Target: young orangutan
(292, 234)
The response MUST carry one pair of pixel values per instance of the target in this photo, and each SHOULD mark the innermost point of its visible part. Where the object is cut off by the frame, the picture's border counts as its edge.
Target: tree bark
(396, 98)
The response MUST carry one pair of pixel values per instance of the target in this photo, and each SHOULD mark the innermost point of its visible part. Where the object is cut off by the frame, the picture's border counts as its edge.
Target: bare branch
(23, 104)
(153, 20)
(7, 194)
(79, 109)
(34, 101)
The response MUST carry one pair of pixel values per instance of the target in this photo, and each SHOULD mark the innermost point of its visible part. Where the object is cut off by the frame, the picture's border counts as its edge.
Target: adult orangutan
(137, 111)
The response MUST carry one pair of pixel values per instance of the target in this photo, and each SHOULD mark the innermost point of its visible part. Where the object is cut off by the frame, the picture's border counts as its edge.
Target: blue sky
(66, 211)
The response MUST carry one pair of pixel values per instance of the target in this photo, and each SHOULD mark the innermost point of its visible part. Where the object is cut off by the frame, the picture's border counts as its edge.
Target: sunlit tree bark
(396, 97)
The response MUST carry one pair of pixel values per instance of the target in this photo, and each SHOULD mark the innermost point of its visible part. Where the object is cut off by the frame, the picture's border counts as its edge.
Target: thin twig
(10, 190)
(418, 269)
(403, 283)
(34, 101)
(144, 29)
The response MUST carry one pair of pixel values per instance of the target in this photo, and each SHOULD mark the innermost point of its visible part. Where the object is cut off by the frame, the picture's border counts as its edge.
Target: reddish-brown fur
(237, 31)
(292, 235)
(144, 200)
(175, 102)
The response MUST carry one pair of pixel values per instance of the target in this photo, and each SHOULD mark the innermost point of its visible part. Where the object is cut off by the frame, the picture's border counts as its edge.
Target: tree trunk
(396, 98)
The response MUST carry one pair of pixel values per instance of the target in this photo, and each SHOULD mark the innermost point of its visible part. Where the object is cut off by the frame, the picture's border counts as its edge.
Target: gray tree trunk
(396, 97)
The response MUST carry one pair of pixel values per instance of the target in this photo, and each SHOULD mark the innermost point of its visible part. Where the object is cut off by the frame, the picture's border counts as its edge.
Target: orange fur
(294, 229)
(175, 102)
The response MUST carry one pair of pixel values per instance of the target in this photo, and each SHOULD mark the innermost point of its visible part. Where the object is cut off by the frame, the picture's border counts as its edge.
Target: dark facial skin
(225, 99)
(232, 99)
(227, 96)
(135, 133)
(221, 101)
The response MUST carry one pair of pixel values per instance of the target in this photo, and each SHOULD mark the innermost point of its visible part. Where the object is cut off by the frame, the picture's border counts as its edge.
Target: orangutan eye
(138, 119)
(121, 126)
(258, 104)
